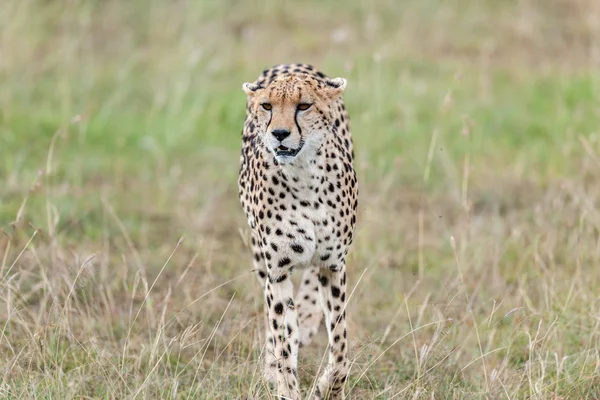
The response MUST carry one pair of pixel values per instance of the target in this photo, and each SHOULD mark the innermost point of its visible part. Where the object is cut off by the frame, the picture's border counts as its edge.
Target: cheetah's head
(293, 113)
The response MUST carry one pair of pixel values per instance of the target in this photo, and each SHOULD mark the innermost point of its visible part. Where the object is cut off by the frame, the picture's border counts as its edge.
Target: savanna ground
(124, 271)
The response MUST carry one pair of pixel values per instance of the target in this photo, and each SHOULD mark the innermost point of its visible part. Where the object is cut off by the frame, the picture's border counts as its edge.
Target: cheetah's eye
(304, 106)
(267, 106)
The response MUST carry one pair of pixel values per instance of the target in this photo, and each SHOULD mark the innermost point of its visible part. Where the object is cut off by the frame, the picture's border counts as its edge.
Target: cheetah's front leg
(283, 323)
(332, 290)
(261, 273)
(310, 313)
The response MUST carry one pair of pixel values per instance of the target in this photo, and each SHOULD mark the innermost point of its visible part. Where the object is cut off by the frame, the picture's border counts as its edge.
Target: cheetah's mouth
(283, 151)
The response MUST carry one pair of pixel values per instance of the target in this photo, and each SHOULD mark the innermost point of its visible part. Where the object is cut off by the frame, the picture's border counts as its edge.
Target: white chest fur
(307, 217)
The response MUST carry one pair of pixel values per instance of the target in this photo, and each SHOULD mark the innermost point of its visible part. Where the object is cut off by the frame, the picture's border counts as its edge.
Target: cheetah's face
(292, 114)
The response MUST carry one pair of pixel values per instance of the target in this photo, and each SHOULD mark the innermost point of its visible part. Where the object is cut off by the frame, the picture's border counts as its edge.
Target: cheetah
(299, 190)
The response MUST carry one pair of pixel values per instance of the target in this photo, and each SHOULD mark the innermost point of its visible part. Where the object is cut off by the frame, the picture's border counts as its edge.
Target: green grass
(475, 261)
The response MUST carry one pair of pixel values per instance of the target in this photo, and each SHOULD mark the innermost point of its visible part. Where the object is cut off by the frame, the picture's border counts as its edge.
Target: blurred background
(124, 268)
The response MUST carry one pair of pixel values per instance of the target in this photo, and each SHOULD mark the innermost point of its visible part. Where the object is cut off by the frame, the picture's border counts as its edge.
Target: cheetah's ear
(335, 87)
(250, 88)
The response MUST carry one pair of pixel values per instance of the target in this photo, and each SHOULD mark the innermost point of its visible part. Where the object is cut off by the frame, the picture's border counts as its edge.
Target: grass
(124, 271)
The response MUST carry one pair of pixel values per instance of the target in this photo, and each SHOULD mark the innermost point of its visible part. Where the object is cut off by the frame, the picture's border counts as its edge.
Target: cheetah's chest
(305, 216)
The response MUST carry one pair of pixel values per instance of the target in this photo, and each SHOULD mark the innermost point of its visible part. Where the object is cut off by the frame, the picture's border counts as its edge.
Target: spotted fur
(298, 189)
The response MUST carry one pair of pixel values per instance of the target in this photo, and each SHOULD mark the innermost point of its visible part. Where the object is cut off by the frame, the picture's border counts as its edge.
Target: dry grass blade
(411, 332)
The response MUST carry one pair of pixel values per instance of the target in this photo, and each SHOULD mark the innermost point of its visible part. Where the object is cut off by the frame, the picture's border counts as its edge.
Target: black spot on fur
(283, 262)
(335, 291)
(278, 308)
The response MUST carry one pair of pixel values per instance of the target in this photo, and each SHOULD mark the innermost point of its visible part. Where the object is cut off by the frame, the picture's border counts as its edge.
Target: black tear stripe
(296, 115)
(269, 123)
(297, 124)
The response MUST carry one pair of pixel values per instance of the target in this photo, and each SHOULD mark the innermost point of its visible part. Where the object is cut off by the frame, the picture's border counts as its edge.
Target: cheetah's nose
(280, 134)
